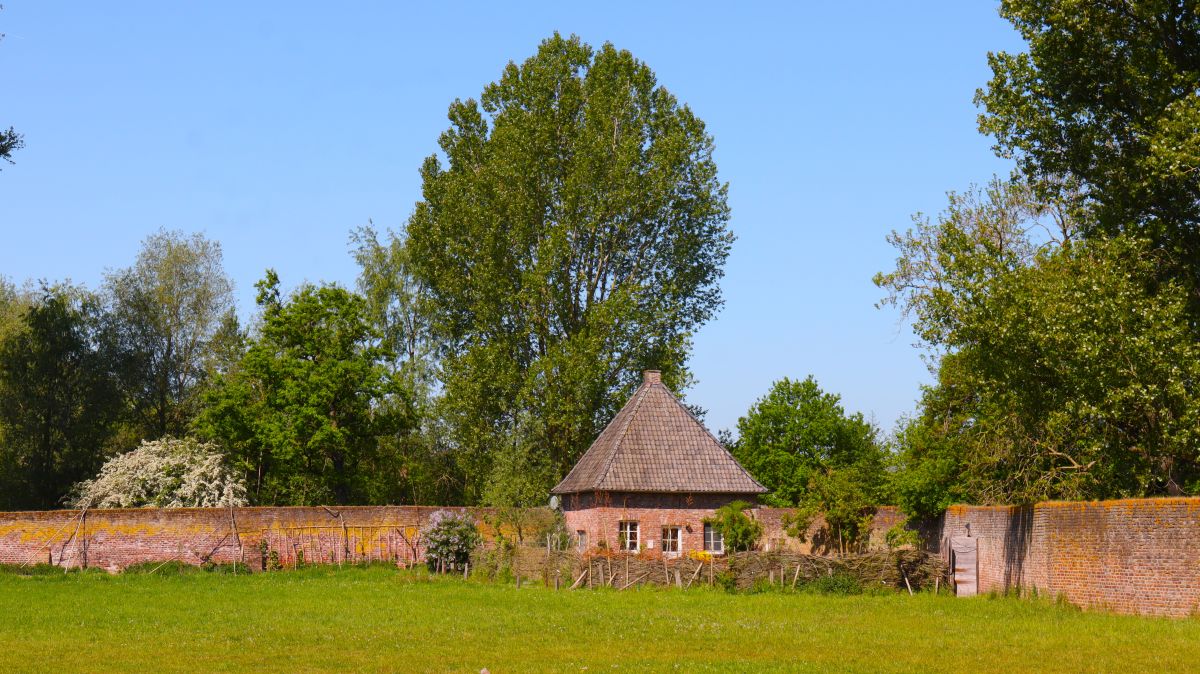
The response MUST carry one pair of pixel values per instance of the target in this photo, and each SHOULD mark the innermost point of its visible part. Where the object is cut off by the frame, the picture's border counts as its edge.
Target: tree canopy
(797, 437)
(573, 236)
(300, 412)
(173, 311)
(1104, 107)
(1065, 369)
(1059, 307)
(59, 400)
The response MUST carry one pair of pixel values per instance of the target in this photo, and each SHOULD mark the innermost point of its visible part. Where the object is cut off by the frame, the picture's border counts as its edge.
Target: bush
(449, 540)
(900, 536)
(726, 580)
(842, 584)
(165, 473)
(740, 531)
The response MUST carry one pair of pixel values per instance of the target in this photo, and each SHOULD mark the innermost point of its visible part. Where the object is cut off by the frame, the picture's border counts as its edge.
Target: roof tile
(655, 444)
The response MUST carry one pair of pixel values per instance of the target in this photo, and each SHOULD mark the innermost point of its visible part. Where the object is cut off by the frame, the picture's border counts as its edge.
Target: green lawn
(379, 619)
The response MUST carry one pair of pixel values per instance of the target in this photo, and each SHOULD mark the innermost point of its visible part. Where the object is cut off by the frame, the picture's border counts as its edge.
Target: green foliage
(574, 237)
(797, 433)
(838, 584)
(173, 312)
(741, 532)
(416, 465)
(800, 443)
(900, 535)
(1102, 110)
(59, 401)
(450, 538)
(1066, 368)
(840, 496)
(303, 410)
(10, 141)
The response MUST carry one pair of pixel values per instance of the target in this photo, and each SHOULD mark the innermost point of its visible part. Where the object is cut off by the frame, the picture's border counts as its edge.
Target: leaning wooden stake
(580, 578)
(796, 577)
(696, 574)
(626, 585)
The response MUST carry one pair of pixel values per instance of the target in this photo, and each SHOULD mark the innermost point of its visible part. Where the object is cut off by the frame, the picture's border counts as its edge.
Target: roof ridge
(616, 447)
(719, 443)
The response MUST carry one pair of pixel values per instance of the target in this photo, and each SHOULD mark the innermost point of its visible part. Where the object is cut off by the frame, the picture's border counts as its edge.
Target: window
(627, 536)
(670, 540)
(714, 541)
(581, 540)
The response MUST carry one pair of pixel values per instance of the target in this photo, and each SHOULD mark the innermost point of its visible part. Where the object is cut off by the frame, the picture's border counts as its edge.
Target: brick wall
(1129, 556)
(114, 539)
(599, 516)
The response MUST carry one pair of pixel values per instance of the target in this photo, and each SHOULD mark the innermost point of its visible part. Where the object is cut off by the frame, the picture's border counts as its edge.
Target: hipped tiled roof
(655, 444)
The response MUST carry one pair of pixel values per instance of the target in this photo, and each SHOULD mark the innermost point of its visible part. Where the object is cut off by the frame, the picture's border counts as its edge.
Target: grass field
(381, 619)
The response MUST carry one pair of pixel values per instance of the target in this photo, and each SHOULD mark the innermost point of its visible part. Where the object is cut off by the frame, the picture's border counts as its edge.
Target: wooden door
(964, 559)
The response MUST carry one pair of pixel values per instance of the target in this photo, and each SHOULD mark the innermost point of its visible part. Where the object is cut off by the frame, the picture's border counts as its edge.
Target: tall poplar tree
(574, 235)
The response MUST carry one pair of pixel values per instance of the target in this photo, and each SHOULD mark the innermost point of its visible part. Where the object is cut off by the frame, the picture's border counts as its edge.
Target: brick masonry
(1130, 556)
(114, 539)
(599, 515)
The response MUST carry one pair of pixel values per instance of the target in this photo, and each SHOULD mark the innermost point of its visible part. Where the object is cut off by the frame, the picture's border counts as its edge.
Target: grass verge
(381, 619)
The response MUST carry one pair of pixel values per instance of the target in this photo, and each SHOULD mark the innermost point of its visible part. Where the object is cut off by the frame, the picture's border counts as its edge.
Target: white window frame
(714, 540)
(629, 536)
(672, 540)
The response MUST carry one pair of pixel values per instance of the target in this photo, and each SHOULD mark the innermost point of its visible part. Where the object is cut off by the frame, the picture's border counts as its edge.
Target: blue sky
(277, 128)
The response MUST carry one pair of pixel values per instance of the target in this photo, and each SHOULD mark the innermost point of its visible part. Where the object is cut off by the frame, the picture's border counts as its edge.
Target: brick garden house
(651, 478)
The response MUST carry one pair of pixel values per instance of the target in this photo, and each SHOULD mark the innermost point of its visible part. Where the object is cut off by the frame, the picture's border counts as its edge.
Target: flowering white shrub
(449, 539)
(166, 473)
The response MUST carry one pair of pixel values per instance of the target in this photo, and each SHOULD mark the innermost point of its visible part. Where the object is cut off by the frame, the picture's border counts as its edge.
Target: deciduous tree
(303, 410)
(1065, 369)
(574, 236)
(59, 400)
(173, 311)
(1106, 102)
(797, 433)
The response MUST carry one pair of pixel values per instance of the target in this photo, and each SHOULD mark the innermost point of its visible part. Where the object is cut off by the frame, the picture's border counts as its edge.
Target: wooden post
(586, 572)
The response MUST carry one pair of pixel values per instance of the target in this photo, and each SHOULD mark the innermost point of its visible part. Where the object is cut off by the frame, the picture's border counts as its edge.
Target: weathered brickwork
(1129, 556)
(599, 515)
(115, 539)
